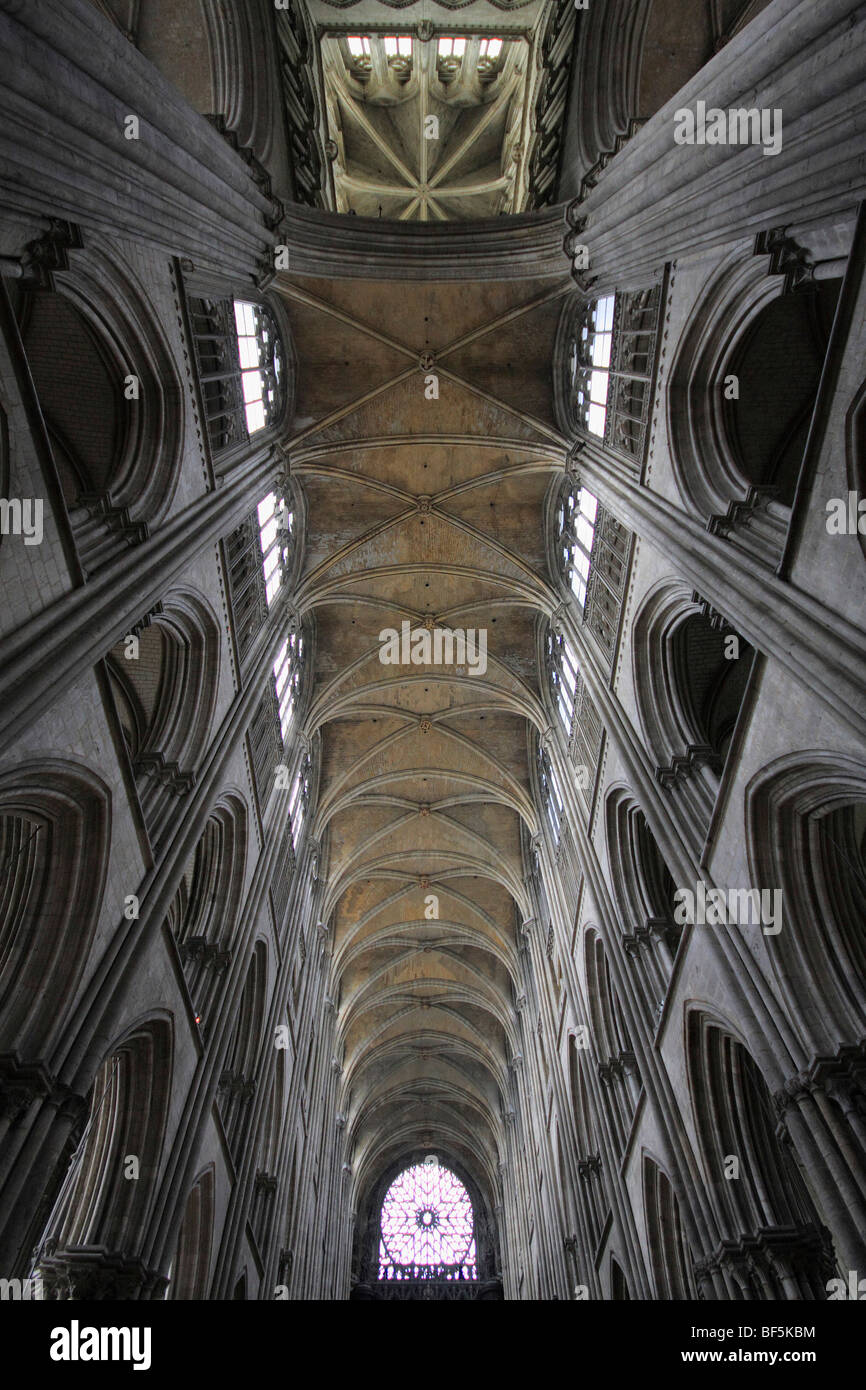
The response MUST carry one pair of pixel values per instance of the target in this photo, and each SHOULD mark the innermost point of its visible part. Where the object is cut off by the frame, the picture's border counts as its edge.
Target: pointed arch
(166, 698)
(95, 1234)
(670, 1256)
(191, 1265)
(806, 836)
(775, 1244)
(55, 820)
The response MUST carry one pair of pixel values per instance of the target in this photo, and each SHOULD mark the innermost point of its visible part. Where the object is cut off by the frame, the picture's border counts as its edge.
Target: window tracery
(259, 556)
(299, 799)
(427, 1227)
(592, 551)
(242, 368)
(262, 364)
(551, 795)
(609, 362)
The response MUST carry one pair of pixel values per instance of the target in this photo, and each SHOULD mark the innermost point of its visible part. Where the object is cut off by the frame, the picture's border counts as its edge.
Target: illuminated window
(490, 48)
(359, 45)
(551, 795)
(287, 675)
(610, 368)
(590, 363)
(427, 1226)
(262, 362)
(299, 799)
(398, 45)
(575, 523)
(564, 671)
(578, 715)
(276, 527)
(451, 48)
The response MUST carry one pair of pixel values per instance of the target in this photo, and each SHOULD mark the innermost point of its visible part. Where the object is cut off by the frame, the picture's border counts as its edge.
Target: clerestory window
(397, 45)
(576, 518)
(590, 365)
(578, 715)
(262, 363)
(276, 534)
(450, 47)
(591, 553)
(563, 671)
(299, 800)
(258, 555)
(611, 358)
(287, 678)
(551, 795)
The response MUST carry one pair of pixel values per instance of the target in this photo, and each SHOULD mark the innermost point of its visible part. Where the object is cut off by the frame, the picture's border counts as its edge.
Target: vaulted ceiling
(430, 511)
(424, 139)
(434, 131)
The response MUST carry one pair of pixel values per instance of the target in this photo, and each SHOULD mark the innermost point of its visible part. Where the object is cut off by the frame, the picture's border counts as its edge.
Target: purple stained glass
(427, 1221)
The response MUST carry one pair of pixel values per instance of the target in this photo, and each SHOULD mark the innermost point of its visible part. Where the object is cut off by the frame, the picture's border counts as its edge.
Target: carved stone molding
(48, 254)
(95, 1274)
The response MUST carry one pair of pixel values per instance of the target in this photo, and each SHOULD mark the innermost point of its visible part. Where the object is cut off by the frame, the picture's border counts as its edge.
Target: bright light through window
(261, 364)
(490, 48)
(551, 794)
(398, 45)
(452, 48)
(596, 340)
(427, 1226)
(564, 675)
(359, 45)
(287, 674)
(298, 798)
(576, 521)
(276, 523)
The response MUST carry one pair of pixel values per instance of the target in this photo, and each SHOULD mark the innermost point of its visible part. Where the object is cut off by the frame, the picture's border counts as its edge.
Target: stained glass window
(427, 1227)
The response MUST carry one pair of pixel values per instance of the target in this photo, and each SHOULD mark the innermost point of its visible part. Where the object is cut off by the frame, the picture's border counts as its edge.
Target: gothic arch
(644, 889)
(238, 1080)
(167, 32)
(617, 1066)
(619, 1290)
(368, 1228)
(267, 1167)
(204, 911)
(774, 1244)
(96, 1230)
(592, 1194)
(805, 827)
(119, 463)
(55, 825)
(749, 358)
(634, 56)
(166, 698)
(705, 463)
(191, 1265)
(688, 692)
(680, 38)
(669, 1252)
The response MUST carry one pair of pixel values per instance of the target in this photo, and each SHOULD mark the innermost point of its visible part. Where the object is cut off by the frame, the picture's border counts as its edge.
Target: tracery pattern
(427, 1227)
(445, 4)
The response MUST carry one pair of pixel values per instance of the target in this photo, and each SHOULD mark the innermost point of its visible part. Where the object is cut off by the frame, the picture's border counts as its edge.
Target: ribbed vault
(428, 511)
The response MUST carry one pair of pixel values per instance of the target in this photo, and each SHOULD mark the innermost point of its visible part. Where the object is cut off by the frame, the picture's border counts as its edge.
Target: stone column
(70, 84)
(657, 200)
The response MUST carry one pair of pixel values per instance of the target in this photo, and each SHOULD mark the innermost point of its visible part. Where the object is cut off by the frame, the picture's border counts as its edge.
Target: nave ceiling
(428, 511)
